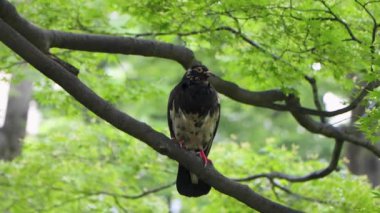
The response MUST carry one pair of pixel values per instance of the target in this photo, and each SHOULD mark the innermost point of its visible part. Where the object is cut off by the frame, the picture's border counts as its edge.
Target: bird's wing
(170, 108)
(217, 115)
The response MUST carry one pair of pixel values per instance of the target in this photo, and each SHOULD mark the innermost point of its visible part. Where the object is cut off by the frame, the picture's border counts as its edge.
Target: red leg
(204, 158)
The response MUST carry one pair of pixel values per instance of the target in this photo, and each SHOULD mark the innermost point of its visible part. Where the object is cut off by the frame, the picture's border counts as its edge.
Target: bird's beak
(209, 73)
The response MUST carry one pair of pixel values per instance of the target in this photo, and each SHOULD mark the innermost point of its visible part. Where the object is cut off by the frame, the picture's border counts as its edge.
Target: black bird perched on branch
(193, 117)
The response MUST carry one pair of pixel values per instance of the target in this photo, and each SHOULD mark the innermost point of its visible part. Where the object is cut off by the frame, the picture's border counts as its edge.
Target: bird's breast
(194, 129)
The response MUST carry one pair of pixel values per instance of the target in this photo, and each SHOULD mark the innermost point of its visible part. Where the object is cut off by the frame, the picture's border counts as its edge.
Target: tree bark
(14, 129)
(362, 162)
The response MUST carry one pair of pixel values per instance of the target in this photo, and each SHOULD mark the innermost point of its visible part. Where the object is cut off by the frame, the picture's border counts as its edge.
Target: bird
(193, 119)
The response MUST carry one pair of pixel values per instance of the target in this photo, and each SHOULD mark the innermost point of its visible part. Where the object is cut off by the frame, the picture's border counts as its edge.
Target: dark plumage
(193, 117)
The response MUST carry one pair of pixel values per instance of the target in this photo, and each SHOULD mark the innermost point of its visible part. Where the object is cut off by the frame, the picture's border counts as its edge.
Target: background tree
(14, 128)
(85, 164)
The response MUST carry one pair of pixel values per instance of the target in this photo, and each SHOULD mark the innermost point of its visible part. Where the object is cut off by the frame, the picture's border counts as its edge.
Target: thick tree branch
(314, 175)
(184, 56)
(267, 98)
(327, 130)
(263, 98)
(151, 48)
(32, 44)
(46, 39)
(34, 34)
(133, 127)
(123, 45)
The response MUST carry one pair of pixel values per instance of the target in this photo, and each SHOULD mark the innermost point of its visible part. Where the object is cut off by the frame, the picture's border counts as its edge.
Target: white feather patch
(195, 131)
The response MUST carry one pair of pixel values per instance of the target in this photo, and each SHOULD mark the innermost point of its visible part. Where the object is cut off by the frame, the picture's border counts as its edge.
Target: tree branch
(326, 129)
(364, 92)
(375, 25)
(267, 98)
(34, 34)
(314, 175)
(46, 39)
(33, 43)
(371, 2)
(90, 193)
(124, 45)
(374, 32)
(262, 99)
(151, 48)
(184, 56)
(341, 21)
(131, 126)
(125, 196)
(119, 204)
(317, 103)
(64, 202)
(289, 192)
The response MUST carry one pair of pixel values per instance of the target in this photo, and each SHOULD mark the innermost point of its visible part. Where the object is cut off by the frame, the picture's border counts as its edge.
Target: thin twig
(375, 25)
(374, 32)
(371, 2)
(126, 196)
(116, 199)
(341, 21)
(298, 196)
(65, 202)
(327, 130)
(317, 103)
(18, 63)
(364, 92)
(142, 194)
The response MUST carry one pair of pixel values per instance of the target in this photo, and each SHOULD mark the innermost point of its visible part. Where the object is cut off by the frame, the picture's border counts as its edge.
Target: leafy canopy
(79, 163)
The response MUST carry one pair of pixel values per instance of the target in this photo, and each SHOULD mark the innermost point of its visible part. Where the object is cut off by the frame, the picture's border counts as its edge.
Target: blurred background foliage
(79, 163)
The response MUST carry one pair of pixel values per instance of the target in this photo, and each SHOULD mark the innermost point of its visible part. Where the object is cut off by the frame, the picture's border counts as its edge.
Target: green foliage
(71, 169)
(376, 193)
(78, 163)
(66, 167)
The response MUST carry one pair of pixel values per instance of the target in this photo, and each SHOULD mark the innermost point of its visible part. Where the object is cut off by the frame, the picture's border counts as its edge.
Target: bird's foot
(204, 158)
(179, 141)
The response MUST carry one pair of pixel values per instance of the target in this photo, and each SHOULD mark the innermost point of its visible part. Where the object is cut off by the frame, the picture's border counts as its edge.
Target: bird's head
(198, 73)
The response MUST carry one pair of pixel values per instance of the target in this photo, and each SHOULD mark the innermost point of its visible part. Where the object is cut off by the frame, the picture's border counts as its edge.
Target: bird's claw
(180, 142)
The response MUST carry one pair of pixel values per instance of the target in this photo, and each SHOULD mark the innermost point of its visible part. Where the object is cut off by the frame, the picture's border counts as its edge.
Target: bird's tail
(186, 187)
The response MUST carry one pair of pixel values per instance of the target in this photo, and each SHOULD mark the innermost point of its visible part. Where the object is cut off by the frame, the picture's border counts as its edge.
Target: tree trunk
(362, 162)
(14, 128)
